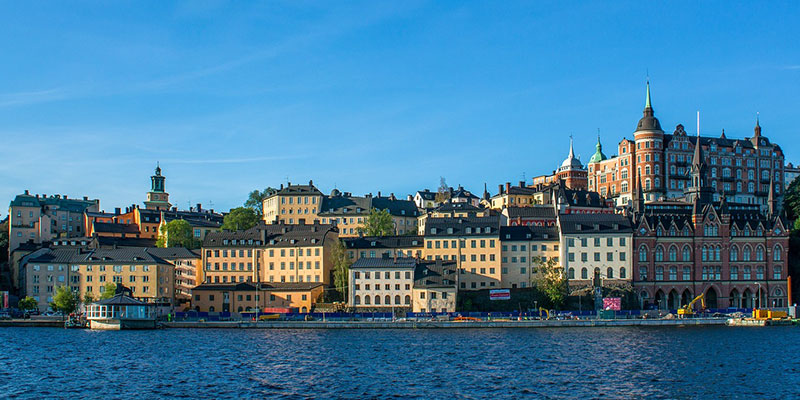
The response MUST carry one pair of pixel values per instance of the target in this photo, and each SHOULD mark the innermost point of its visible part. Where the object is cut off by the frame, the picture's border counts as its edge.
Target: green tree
(4, 241)
(378, 223)
(88, 298)
(64, 300)
(341, 267)
(443, 193)
(109, 291)
(255, 200)
(551, 282)
(28, 303)
(791, 200)
(240, 218)
(176, 233)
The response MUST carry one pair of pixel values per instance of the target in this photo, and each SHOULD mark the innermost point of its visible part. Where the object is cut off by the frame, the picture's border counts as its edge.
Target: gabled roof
(518, 233)
(384, 262)
(462, 226)
(545, 211)
(173, 253)
(594, 223)
(426, 194)
(435, 274)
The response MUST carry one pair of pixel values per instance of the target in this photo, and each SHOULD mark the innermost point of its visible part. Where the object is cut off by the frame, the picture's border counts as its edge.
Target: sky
(368, 96)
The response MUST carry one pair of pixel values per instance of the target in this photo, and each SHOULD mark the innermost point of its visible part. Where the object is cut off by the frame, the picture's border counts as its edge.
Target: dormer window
(545, 235)
(577, 227)
(372, 244)
(414, 242)
(225, 241)
(433, 231)
(508, 236)
(450, 231)
(468, 230)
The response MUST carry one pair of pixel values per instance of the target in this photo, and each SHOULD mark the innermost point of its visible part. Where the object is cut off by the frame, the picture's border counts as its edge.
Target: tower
(649, 152)
(572, 172)
(157, 198)
(698, 192)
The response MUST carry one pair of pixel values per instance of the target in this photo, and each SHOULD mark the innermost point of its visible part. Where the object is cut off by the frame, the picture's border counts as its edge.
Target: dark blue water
(705, 362)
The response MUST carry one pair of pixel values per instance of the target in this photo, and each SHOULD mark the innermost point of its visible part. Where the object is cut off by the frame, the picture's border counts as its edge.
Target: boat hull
(115, 324)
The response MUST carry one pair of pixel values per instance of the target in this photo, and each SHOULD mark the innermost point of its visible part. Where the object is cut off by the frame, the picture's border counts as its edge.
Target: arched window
(718, 253)
(687, 273)
(705, 253)
(211, 309)
(746, 253)
(747, 231)
(240, 309)
(408, 300)
(659, 253)
(734, 253)
(685, 231)
(571, 273)
(659, 231)
(673, 253)
(397, 300)
(366, 300)
(584, 273)
(776, 253)
(610, 273)
(759, 253)
(377, 299)
(673, 273)
(687, 253)
(734, 273)
(387, 300)
(673, 231)
(643, 253)
(622, 273)
(358, 300)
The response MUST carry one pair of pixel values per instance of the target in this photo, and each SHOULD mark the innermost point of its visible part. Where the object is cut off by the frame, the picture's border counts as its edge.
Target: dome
(598, 155)
(571, 162)
(335, 193)
(648, 122)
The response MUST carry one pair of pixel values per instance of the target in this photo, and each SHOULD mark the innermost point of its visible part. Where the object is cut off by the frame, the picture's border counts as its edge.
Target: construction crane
(545, 311)
(688, 310)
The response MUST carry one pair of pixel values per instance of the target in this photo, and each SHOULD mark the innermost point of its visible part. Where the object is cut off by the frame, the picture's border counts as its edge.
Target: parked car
(5, 315)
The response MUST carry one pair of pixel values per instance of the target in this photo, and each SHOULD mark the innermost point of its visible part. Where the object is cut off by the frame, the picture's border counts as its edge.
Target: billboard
(612, 303)
(499, 294)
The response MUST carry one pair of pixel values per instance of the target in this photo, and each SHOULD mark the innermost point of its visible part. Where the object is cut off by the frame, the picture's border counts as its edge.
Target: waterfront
(687, 362)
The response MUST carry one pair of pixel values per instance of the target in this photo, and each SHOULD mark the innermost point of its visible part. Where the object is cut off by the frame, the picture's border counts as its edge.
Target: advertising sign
(612, 303)
(500, 294)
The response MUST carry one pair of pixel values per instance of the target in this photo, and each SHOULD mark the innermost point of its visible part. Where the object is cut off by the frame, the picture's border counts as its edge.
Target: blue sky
(368, 96)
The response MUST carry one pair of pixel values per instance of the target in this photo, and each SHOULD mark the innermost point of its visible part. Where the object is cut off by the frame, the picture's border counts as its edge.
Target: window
(776, 253)
(643, 273)
(659, 254)
(687, 273)
(687, 254)
(584, 273)
(776, 272)
(622, 273)
(642, 254)
(659, 273)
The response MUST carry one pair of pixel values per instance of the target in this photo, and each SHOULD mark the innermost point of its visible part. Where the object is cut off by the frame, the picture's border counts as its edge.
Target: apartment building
(349, 213)
(596, 246)
(473, 243)
(248, 297)
(293, 204)
(384, 246)
(522, 249)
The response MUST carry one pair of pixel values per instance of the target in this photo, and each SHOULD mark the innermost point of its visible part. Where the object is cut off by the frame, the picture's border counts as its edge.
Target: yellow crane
(688, 309)
(545, 311)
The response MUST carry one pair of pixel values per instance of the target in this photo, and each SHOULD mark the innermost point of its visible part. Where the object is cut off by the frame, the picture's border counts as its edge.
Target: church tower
(649, 152)
(572, 172)
(157, 198)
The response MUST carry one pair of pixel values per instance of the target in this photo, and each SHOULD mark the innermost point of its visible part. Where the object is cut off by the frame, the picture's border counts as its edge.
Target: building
(472, 242)
(349, 213)
(186, 264)
(149, 277)
(596, 246)
(790, 173)
(157, 197)
(293, 204)
(248, 297)
(540, 215)
(425, 199)
(571, 173)
(515, 196)
(733, 253)
(739, 169)
(403, 284)
(522, 249)
(384, 246)
(277, 253)
(40, 218)
(202, 222)
(381, 282)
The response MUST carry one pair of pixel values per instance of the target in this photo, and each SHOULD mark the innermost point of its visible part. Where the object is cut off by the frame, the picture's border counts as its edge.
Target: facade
(733, 253)
(279, 253)
(349, 213)
(739, 169)
(186, 263)
(248, 297)
(157, 197)
(149, 277)
(425, 199)
(790, 173)
(540, 215)
(473, 243)
(434, 288)
(37, 219)
(384, 246)
(596, 246)
(515, 196)
(522, 249)
(381, 282)
(571, 173)
(293, 204)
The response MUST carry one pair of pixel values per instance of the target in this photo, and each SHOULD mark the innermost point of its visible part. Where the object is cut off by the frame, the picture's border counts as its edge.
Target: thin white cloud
(792, 67)
(32, 97)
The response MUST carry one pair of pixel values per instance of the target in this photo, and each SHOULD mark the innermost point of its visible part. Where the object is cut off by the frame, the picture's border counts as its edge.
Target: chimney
(288, 184)
(281, 186)
(86, 198)
(499, 189)
(391, 196)
(117, 211)
(409, 198)
(199, 207)
(26, 190)
(521, 184)
(379, 193)
(65, 196)
(508, 187)
(310, 182)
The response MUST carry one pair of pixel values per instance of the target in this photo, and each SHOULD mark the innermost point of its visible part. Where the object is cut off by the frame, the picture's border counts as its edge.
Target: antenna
(698, 123)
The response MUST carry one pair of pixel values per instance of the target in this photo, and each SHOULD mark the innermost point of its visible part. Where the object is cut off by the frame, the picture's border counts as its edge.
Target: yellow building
(245, 297)
(473, 243)
(269, 253)
(516, 196)
(522, 249)
(293, 204)
(349, 213)
(149, 277)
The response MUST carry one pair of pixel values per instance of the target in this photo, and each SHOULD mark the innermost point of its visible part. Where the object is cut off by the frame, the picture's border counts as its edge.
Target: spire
(771, 196)
(647, 103)
(638, 195)
(648, 122)
(571, 152)
(598, 154)
(758, 126)
(697, 159)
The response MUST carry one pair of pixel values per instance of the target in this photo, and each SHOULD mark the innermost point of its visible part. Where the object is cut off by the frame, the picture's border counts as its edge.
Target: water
(698, 362)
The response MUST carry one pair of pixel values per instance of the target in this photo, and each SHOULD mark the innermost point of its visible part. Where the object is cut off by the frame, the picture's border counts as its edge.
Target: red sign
(500, 294)
(612, 303)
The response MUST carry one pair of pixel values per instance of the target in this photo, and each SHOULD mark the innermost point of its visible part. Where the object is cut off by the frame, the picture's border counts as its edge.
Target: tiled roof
(517, 233)
(465, 226)
(396, 207)
(173, 253)
(427, 194)
(225, 287)
(384, 262)
(65, 204)
(435, 274)
(383, 242)
(532, 212)
(111, 227)
(54, 256)
(338, 205)
(274, 235)
(457, 207)
(594, 223)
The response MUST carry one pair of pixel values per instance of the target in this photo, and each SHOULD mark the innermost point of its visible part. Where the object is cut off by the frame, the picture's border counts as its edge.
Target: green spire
(647, 103)
(598, 155)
